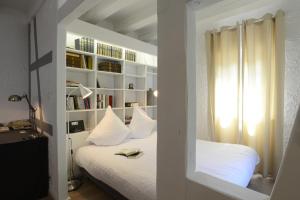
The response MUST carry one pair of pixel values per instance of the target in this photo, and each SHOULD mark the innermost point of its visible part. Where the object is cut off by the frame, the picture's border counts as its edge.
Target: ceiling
(136, 18)
(27, 7)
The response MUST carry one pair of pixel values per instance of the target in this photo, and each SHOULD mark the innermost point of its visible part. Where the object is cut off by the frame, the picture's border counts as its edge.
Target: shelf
(82, 110)
(135, 90)
(134, 63)
(110, 73)
(151, 106)
(152, 66)
(134, 76)
(152, 73)
(108, 58)
(80, 52)
(112, 83)
(79, 69)
(104, 109)
(68, 87)
(133, 107)
(112, 89)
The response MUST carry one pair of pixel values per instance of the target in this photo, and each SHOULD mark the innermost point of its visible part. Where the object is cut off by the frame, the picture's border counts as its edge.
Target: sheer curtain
(246, 87)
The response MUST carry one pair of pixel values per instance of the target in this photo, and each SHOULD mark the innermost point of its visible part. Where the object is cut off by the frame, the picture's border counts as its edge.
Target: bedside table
(24, 165)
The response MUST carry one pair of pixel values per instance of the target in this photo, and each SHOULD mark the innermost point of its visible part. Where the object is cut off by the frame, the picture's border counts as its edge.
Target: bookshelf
(142, 74)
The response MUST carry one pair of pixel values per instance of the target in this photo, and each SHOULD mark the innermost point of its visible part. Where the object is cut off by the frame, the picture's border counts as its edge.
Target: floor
(260, 184)
(89, 191)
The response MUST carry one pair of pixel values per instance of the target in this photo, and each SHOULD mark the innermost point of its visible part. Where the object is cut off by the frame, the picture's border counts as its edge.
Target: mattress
(136, 178)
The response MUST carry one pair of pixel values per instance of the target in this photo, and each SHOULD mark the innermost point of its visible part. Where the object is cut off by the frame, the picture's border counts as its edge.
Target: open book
(130, 153)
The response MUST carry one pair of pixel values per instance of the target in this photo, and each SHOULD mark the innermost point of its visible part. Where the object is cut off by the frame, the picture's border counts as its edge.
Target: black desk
(23, 166)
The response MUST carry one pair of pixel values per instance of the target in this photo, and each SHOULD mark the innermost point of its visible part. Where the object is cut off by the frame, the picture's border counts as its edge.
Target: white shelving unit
(142, 75)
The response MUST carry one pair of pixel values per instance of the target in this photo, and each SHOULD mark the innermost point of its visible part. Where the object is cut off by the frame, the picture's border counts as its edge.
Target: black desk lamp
(16, 98)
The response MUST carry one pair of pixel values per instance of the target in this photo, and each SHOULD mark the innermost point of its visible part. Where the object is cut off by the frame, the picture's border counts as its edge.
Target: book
(98, 85)
(70, 103)
(128, 119)
(76, 105)
(89, 62)
(83, 62)
(88, 103)
(70, 83)
(73, 60)
(81, 44)
(80, 103)
(77, 44)
(131, 104)
(98, 101)
(106, 101)
(130, 153)
(110, 100)
(102, 98)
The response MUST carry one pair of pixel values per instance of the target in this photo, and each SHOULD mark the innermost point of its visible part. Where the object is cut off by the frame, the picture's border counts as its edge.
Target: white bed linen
(136, 178)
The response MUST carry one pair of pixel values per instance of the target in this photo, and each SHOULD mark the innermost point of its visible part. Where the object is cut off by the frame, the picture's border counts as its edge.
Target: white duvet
(136, 178)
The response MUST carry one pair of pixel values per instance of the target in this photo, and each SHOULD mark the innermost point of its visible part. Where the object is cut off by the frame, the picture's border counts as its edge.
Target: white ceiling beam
(73, 9)
(150, 36)
(106, 9)
(138, 20)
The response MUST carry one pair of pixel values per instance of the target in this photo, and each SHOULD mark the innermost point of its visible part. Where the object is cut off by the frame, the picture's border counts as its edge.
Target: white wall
(292, 69)
(13, 64)
(171, 113)
(46, 18)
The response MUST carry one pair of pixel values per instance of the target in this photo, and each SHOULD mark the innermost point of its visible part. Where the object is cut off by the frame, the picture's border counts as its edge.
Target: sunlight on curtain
(246, 98)
(224, 93)
(262, 98)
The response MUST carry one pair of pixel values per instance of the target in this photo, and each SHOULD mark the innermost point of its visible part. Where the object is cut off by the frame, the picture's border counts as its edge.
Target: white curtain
(246, 87)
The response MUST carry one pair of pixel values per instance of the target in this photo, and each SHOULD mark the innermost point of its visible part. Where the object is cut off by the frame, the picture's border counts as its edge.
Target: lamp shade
(85, 92)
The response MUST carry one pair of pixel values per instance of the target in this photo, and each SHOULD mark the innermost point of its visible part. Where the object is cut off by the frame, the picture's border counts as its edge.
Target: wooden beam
(44, 60)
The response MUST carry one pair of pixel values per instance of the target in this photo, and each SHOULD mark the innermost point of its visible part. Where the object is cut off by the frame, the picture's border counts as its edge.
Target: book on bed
(130, 153)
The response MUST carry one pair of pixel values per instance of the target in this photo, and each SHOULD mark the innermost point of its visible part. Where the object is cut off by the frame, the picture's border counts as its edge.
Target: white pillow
(141, 124)
(110, 131)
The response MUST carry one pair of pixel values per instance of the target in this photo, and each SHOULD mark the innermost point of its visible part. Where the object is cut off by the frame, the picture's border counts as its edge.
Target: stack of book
(108, 50)
(70, 83)
(130, 55)
(79, 61)
(85, 44)
(109, 66)
(104, 100)
(73, 60)
(128, 119)
(77, 103)
(131, 104)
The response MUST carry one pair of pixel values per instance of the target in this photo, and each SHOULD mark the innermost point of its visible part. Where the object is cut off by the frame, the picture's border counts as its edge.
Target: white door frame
(71, 10)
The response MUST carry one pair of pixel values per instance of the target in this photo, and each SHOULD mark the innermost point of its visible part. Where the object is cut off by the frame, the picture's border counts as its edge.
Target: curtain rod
(243, 21)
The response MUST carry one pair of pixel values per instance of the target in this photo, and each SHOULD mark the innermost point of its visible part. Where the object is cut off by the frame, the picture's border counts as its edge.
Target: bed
(135, 179)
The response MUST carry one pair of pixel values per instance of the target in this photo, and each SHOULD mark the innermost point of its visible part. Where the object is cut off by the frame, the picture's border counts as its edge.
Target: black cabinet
(23, 166)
